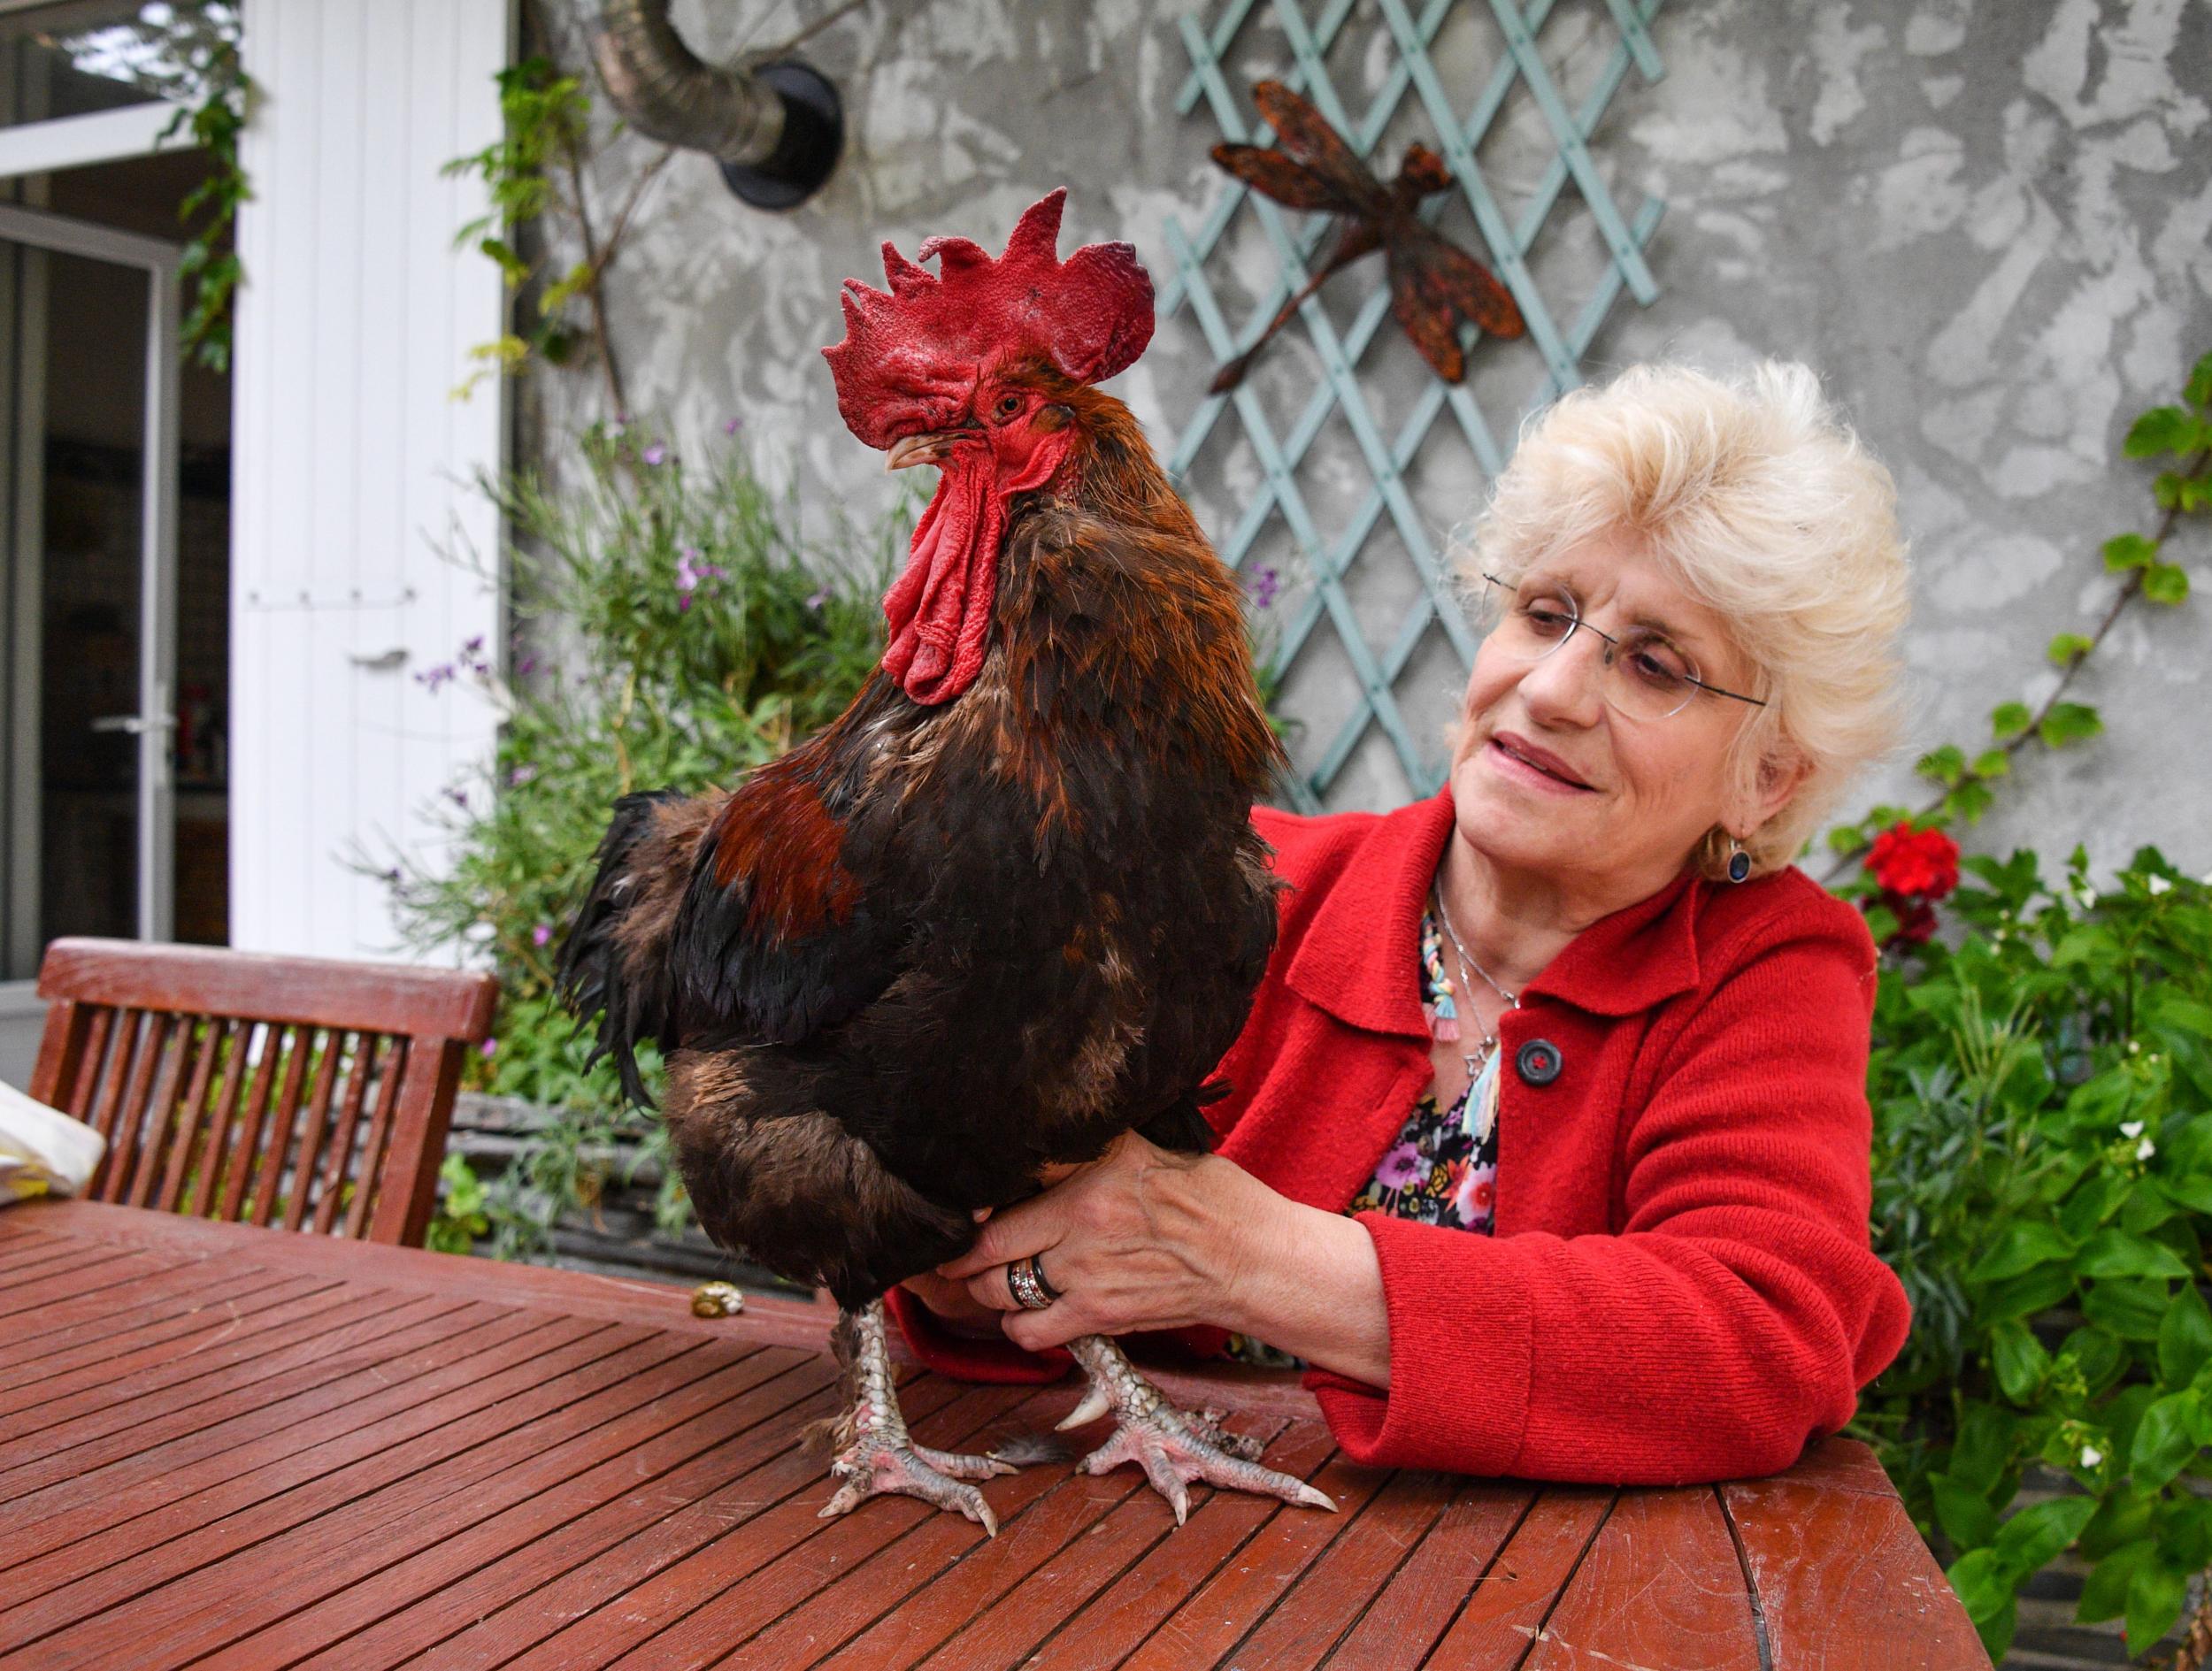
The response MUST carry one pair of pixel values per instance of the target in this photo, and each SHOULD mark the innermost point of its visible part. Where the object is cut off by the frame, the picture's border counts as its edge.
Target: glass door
(88, 383)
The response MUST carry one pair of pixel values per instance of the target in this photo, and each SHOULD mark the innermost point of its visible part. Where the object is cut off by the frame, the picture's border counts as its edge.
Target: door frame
(154, 721)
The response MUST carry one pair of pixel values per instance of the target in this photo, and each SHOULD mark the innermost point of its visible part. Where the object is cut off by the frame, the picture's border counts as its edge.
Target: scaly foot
(881, 1457)
(873, 1465)
(1174, 1447)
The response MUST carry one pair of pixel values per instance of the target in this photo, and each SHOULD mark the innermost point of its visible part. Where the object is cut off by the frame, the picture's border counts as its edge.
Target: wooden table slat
(383, 1349)
(747, 1426)
(24, 1304)
(1508, 1602)
(746, 1582)
(1109, 1627)
(1086, 1566)
(268, 1581)
(1818, 1554)
(314, 1334)
(1339, 1588)
(1206, 1629)
(222, 1445)
(573, 1574)
(1409, 1616)
(467, 1434)
(1661, 1584)
(204, 1335)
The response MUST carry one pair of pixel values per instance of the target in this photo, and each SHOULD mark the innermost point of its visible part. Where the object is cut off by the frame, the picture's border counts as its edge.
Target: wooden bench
(309, 1092)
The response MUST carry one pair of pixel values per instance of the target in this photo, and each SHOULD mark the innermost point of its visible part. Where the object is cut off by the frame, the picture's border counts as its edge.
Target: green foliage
(2185, 432)
(460, 1217)
(534, 169)
(702, 636)
(2042, 1095)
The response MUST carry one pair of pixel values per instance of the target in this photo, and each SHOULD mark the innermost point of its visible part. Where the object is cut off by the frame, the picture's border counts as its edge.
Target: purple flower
(683, 604)
(1264, 583)
(431, 678)
(458, 797)
(730, 426)
(541, 935)
(690, 570)
(520, 775)
(820, 596)
(490, 1049)
(1400, 1167)
(526, 666)
(655, 453)
(474, 645)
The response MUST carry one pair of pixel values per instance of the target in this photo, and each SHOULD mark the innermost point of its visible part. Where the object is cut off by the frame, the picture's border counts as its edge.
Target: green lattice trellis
(1294, 239)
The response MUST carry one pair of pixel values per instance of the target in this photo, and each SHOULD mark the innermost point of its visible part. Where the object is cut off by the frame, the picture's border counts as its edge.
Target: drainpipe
(775, 130)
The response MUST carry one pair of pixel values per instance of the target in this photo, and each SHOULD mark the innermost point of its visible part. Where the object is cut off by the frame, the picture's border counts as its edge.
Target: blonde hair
(1759, 501)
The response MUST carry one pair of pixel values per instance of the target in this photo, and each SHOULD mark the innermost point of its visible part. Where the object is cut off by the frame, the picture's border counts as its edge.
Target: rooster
(1009, 904)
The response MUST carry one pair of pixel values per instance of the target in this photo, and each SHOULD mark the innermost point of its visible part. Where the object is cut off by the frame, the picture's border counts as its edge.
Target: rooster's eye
(1008, 405)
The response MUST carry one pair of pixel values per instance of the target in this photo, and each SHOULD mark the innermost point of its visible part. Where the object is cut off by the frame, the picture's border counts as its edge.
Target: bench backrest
(305, 1092)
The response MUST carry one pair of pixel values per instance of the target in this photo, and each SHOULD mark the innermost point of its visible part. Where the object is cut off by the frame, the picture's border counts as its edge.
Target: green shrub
(2042, 1097)
(685, 634)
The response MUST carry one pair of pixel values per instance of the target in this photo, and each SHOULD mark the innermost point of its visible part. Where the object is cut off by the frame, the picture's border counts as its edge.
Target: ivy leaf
(2130, 551)
(2064, 648)
(2008, 719)
(2164, 1440)
(2163, 429)
(2070, 722)
(1944, 764)
(2155, 1598)
(2166, 582)
(2198, 393)
(1969, 801)
(2021, 1362)
(1991, 763)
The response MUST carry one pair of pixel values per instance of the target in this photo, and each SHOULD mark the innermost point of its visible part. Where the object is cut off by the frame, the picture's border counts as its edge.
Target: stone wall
(1988, 223)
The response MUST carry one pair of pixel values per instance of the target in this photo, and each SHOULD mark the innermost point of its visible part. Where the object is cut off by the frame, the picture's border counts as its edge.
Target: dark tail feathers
(614, 962)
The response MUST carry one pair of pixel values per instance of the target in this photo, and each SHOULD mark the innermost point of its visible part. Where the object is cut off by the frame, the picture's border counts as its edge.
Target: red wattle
(939, 609)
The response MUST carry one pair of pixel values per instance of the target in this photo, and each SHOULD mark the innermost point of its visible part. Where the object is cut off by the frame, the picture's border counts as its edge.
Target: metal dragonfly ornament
(1434, 283)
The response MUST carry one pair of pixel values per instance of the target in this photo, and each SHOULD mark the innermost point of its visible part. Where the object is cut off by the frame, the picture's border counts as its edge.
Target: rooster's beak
(928, 449)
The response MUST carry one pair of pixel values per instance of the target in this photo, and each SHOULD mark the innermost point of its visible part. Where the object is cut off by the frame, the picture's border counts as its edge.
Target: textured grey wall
(1987, 222)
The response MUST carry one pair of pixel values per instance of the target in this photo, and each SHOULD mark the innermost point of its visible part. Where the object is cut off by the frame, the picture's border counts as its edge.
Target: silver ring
(1027, 1281)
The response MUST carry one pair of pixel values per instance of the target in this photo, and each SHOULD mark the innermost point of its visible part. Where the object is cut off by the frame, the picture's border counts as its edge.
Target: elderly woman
(1545, 1145)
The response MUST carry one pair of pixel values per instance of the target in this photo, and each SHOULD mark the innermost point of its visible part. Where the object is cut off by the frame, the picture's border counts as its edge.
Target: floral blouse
(1443, 1169)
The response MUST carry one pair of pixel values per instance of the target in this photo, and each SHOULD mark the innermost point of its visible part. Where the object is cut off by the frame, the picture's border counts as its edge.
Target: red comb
(914, 349)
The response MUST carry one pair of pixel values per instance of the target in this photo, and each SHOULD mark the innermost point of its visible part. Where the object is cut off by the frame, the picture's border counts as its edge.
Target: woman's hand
(952, 1304)
(1140, 1238)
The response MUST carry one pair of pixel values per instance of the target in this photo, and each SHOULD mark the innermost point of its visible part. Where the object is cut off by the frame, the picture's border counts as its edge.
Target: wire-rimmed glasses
(1646, 675)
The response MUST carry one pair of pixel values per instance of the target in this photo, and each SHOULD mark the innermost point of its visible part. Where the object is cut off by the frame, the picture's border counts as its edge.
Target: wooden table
(241, 1447)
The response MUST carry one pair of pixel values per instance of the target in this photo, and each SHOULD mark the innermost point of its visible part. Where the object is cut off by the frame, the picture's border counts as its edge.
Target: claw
(1175, 1447)
(1096, 1402)
(881, 1458)
(874, 1467)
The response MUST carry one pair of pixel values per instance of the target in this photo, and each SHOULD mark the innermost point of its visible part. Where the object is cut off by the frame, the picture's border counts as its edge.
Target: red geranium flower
(1914, 864)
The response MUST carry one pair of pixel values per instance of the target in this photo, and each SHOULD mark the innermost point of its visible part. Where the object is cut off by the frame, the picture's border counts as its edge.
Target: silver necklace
(1459, 953)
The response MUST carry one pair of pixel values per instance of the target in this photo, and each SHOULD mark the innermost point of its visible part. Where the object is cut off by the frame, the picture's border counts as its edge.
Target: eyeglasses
(1647, 676)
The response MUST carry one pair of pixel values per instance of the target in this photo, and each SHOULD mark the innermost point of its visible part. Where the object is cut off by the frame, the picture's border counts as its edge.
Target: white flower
(2091, 1456)
(2157, 884)
(2145, 1149)
(2135, 1046)
(2132, 1129)
(2086, 897)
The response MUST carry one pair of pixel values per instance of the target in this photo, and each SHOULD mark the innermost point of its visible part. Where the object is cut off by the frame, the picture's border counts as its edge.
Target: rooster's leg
(1172, 1447)
(880, 1457)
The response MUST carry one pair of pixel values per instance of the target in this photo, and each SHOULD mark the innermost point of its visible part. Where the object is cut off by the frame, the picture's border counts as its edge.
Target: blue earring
(1738, 861)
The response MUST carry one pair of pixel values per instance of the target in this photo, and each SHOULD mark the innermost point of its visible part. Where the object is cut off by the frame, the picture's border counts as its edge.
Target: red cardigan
(1679, 1287)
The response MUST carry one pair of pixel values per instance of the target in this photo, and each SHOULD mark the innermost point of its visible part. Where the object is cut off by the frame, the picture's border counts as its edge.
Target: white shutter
(353, 325)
